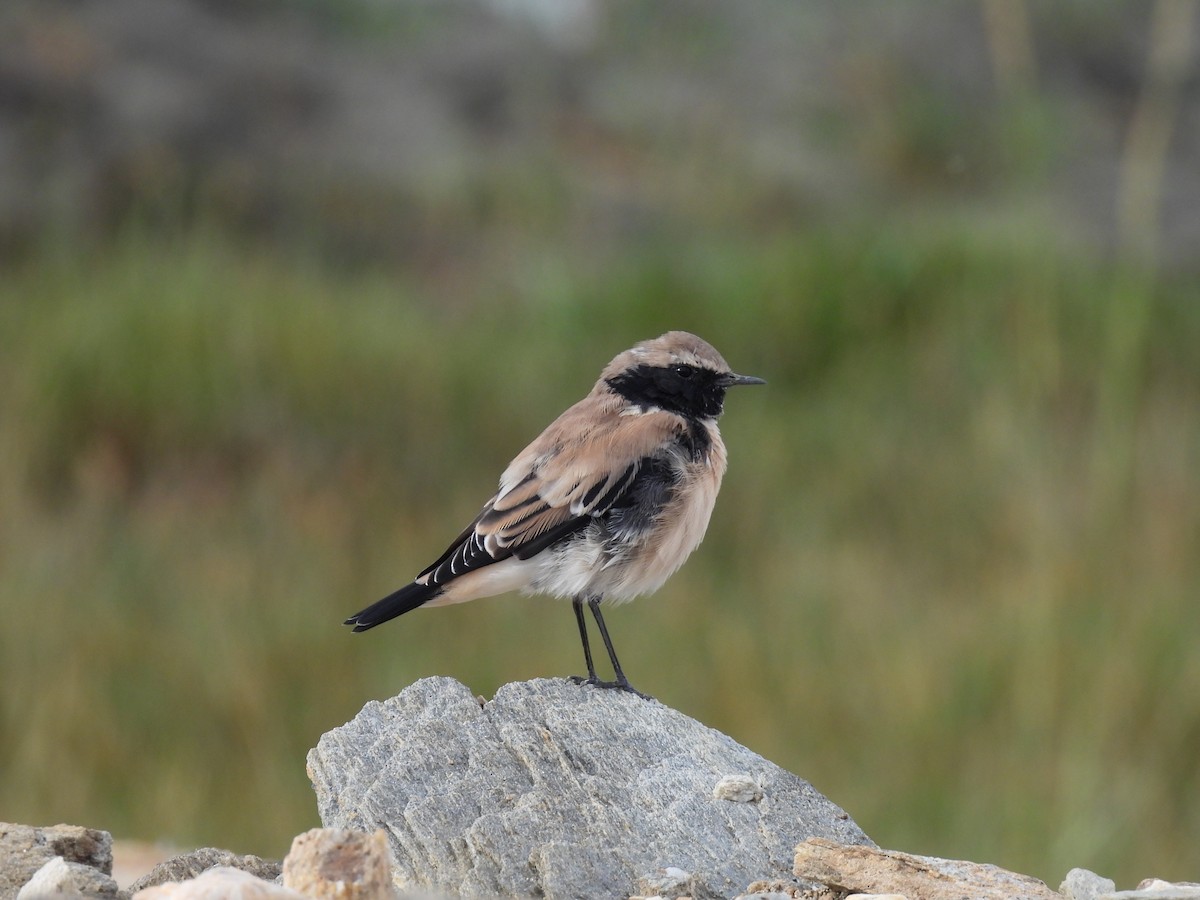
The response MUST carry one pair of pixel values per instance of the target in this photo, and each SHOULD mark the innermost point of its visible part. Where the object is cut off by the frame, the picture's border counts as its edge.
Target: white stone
(1080, 884)
(219, 883)
(59, 878)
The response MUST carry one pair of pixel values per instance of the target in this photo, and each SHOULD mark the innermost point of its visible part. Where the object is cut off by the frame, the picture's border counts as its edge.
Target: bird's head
(677, 372)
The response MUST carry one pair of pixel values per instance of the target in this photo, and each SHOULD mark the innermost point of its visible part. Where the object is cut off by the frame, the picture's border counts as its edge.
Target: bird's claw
(621, 684)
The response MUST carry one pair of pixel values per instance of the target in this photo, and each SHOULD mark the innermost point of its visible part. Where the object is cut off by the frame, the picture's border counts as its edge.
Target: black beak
(732, 379)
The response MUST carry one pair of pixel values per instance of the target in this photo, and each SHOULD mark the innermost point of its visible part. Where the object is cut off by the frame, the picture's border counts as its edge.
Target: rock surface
(59, 878)
(558, 790)
(858, 869)
(788, 889)
(1081, 884)
(1157, 889)
(190, 865)
(24, 849)
(339, 865)
(219, 883)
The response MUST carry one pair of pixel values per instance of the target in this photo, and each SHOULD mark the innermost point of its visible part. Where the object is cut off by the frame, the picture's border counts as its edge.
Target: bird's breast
(637, 546)
(677, 528)
(683, 522)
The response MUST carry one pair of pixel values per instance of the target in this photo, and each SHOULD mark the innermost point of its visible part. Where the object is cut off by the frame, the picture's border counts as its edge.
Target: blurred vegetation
(951, 578)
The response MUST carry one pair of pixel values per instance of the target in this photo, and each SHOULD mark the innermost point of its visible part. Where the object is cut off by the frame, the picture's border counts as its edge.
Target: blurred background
(284, 286)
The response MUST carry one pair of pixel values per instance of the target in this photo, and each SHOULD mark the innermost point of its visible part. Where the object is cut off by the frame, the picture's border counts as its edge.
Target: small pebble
(1080, 884)
(738, 789)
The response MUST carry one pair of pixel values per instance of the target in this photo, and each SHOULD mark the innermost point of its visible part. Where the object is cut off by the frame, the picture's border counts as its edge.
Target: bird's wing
(577, 469)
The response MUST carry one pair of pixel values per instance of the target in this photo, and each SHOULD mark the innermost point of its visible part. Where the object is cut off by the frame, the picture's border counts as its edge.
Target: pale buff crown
(674, 348)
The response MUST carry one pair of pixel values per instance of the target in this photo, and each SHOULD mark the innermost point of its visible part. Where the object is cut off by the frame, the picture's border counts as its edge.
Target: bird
(604, 505)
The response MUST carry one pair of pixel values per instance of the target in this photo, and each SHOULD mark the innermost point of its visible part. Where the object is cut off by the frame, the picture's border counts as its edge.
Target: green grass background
(951, 578)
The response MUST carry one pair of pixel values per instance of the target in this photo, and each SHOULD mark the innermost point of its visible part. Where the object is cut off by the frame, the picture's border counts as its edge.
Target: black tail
(394, 604)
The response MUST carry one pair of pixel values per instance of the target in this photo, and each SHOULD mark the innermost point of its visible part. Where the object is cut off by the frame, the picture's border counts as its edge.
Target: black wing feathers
(637, 509)
(619, 488)
(623, 507)
(394, 604)
(466, 554)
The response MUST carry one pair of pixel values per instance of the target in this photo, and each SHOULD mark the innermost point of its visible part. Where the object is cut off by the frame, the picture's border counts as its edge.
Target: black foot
(618, 685)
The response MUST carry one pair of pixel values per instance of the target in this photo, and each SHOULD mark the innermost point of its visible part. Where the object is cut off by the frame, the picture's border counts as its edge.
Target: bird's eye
(684, 371)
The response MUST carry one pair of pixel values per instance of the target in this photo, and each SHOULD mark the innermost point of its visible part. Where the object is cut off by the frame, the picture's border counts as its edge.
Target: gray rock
(190, 865)
(1080, 884)
(59, 878)
(24, 849)
(561, 791)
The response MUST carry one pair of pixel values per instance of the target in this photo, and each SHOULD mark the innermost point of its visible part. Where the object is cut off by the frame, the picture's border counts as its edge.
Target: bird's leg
(622, 683)
(577, 605)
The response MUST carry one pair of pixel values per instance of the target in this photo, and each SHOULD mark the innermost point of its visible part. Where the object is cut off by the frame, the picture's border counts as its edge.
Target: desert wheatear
(605, 504)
